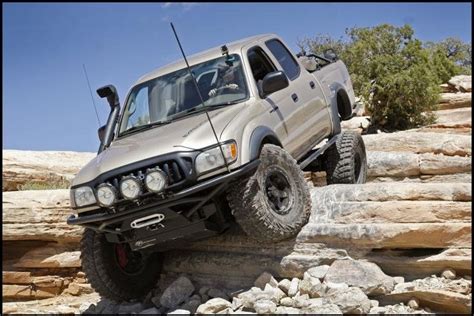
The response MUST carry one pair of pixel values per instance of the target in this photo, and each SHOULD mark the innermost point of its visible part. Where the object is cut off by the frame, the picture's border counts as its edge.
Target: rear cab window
(285, 58)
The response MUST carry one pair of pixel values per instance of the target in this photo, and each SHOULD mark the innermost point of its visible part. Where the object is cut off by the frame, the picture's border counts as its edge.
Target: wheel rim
(130, 262)
(278, 191)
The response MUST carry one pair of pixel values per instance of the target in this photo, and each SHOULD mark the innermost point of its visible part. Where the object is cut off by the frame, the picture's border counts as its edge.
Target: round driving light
(106, 194)
(130, 187)
(155, 180)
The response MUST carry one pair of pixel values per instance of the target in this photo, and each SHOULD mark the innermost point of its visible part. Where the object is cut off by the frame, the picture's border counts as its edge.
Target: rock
(331, 287)
(265, 278)
(461, 83)
(351, 300)
(397, 262)
(192, 305)
(318, 272)
(42, 167)
(265, 307)
(284, 285)
(293, 289)
(287, 301)
(419, 142)
(46, 211)
(213, 293)
(179, 312)
(226, 311)
(451, 100)
(377, 310)
(398, 280)
(365, 275)
(405, 164)
(301, 301)
(332, 205)
(374, 303)
(312, 286)
(150, 311)
(127, 308)
(248, 298)
(449, 274)
(287, 310)
(177, 292)
(213, 306)
(22, 292)
(414, 303)
(274, 293)
(356, 123)
(452, 121)
(51, 256)
(236, 303)
(77, 289)
(156, 301)
(16, 277)
(323, 309)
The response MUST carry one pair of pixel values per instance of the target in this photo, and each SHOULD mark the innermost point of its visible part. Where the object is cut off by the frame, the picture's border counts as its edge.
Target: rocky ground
(398, 244)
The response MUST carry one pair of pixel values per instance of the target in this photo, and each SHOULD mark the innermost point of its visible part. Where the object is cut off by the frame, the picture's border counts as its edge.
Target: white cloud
(186, 6)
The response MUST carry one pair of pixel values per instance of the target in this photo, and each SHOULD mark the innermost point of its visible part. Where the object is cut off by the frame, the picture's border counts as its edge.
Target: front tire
(115, 271)
(274, 203)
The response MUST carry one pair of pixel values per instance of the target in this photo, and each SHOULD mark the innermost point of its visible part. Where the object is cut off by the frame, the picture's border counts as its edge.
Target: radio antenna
(200, 97)
(92, 96)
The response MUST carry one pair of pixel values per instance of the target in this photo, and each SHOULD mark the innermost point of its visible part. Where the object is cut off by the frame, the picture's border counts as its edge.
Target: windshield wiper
(142, 127)
(199, 109)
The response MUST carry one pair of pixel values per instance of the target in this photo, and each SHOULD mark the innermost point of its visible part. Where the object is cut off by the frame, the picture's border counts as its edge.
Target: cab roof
(215, 52)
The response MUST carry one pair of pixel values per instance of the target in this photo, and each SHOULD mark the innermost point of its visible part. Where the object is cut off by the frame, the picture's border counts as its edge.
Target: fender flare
(259, 136)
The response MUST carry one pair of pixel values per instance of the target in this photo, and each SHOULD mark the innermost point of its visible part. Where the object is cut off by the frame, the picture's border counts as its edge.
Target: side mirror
(330, 54)
(274, 81)
(109, 92)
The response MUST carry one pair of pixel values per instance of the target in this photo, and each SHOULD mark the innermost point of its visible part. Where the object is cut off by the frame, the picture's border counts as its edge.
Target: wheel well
(344, 105)
(269, 139)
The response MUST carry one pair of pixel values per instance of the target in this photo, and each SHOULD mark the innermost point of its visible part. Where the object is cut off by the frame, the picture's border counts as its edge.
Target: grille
(172, 169)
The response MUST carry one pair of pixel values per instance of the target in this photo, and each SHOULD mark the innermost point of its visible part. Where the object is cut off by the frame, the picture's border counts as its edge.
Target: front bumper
(197, 195)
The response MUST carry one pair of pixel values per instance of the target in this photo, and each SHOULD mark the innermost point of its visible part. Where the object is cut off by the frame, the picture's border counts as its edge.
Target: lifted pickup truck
(161, 178)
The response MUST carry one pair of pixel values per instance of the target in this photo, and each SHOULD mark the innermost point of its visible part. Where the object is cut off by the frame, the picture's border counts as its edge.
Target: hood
(186, 134)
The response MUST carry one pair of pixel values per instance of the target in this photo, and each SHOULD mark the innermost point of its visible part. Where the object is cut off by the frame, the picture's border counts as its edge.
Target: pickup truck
(197, 148)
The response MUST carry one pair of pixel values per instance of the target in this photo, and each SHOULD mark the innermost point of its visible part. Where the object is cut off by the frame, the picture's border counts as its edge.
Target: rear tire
(115, 271)
(347, 160)
(274, 203)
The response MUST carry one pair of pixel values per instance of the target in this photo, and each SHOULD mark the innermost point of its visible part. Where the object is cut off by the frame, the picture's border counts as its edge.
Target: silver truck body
(297, 125)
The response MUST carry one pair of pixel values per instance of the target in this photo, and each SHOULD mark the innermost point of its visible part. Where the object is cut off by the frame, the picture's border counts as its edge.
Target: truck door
(309, 120)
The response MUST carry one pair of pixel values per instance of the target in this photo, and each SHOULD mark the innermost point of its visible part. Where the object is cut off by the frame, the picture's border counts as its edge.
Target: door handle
(294, 97)
(311, 84)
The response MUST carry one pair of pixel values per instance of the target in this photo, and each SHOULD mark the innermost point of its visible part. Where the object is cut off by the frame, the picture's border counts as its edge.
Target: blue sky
(46, 101)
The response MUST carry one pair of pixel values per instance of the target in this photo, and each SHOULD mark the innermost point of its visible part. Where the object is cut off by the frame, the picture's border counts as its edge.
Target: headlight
(130, 187)
(155, 180)
(212, 159)
(84, 196)
(106, 194)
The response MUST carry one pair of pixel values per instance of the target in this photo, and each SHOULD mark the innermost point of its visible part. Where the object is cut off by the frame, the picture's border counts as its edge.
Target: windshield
(221, 81)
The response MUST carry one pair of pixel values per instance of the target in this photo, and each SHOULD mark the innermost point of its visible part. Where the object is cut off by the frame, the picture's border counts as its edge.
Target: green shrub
(50, 185)
(393, 71)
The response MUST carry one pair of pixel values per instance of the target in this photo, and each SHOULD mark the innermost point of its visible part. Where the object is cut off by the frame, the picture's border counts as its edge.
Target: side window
(259, 63)
(284, 57)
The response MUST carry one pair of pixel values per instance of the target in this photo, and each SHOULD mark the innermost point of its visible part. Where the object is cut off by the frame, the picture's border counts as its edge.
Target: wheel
(114, 270)
(274, 203)
(346, 160)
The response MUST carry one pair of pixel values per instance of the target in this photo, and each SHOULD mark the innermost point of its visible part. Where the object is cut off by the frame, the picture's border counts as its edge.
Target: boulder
(332, 309)
(213, 306)
(41, 167)
(265, 307)
(453, 118)
(284, 285)
(461, 83)
(413, 265)
(312, 286)
(293, 288)
(419, 142)
(450, 100)
(178, 292)
(46, 211)
(350, 301)
(264, 279)
(365, 275)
